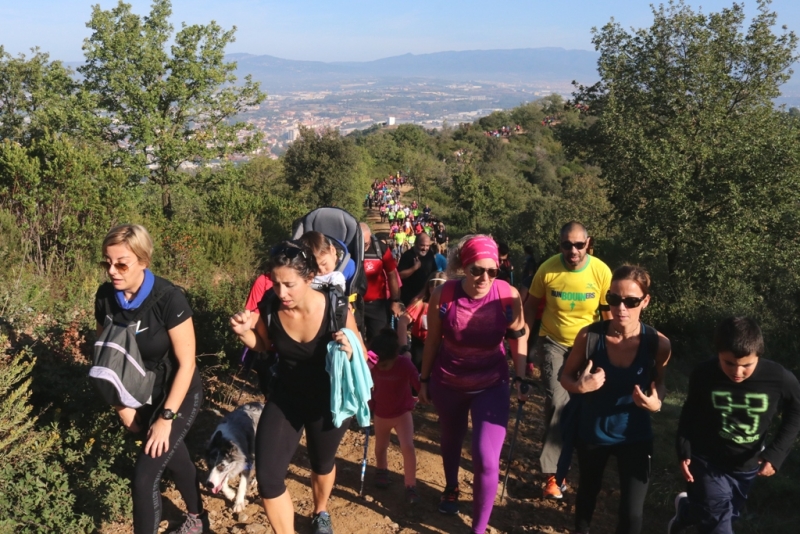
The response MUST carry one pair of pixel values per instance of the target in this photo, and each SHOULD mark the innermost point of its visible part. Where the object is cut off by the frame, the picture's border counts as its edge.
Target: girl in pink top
(392, 404)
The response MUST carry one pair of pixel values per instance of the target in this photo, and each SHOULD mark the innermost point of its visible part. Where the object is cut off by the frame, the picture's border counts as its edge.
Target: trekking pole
(524, 387)
(229, 396)
(364, 460)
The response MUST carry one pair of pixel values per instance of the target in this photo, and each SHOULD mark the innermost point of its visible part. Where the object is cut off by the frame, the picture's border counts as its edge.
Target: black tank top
(301, 366)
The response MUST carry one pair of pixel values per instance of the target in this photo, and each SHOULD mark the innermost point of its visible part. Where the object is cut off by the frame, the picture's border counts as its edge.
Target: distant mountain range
(527, 65)
(534, 66)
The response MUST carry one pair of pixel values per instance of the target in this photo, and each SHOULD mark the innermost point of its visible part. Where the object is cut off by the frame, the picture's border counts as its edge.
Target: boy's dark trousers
(716, 497)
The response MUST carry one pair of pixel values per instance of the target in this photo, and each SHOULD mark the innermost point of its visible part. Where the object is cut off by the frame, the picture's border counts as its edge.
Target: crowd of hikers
(503, 131)
(436, 323)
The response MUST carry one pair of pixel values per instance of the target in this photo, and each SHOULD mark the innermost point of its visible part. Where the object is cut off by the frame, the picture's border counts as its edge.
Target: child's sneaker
(673, 527)
(382, 478)
(552, 490)
(194, 524)
(449, 503)
(412, 497)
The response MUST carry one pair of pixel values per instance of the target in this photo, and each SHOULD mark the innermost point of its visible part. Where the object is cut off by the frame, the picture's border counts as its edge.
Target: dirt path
(385, 511)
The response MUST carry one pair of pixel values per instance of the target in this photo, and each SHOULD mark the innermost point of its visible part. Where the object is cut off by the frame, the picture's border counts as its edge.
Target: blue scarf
(144, 292)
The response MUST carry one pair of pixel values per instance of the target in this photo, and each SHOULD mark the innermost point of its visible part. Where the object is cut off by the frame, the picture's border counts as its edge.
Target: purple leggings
(489, 410)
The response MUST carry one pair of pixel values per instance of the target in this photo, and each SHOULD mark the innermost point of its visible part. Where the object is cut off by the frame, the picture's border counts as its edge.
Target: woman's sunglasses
(290, 250)
(121, 268)
(478, 271)
(630, 302)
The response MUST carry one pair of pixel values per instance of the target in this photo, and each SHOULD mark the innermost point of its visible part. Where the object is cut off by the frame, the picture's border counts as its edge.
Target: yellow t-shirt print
(572, 298)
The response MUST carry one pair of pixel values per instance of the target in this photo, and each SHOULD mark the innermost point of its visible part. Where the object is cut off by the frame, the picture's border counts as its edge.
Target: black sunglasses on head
(567, 245)
(630, 302)
(290, 250)
(478, 271)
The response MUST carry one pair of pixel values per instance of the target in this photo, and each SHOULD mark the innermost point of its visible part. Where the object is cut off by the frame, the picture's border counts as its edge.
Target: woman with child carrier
(615, 373)
(294, 320)
(464, 368)
(164, 335)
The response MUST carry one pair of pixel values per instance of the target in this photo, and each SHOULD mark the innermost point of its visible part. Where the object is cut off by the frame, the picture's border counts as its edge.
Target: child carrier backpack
(118, 371)
(341, 226)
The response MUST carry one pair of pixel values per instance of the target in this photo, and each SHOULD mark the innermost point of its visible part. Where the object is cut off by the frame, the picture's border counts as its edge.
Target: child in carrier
(329, 253)
(391, 405)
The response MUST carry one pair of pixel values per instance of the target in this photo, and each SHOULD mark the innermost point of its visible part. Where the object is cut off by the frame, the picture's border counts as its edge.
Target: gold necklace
(622, 334)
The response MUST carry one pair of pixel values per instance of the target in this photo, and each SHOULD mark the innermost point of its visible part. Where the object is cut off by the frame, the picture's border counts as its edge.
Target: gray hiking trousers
(550, 358)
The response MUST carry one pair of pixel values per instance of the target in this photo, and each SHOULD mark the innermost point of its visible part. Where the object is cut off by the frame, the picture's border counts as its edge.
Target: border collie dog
(231, 453)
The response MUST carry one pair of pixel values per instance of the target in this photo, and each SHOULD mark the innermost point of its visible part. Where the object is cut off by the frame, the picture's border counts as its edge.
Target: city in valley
(356, 106)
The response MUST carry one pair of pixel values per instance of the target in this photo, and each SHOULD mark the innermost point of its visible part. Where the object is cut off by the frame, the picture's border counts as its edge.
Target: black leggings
(633, 464)
(277, 437)
(148, 471)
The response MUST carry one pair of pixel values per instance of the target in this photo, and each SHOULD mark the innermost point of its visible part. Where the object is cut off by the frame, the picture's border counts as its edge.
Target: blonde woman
(166, 328)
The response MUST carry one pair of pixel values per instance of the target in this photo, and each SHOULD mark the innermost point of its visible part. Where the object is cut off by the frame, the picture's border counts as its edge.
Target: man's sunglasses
(121, 268)
(630, 302)
(478, 271)
(567, 245)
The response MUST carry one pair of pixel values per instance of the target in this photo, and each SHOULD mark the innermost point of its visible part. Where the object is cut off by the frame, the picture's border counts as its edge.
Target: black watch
(169, 414)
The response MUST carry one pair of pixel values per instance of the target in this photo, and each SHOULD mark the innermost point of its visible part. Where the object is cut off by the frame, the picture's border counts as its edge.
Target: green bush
(36, 494)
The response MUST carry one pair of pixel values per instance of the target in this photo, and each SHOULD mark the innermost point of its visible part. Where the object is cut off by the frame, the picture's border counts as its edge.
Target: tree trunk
(166, 203)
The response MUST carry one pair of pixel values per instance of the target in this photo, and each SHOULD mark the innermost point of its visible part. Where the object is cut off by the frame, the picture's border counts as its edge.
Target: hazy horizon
(355, 31)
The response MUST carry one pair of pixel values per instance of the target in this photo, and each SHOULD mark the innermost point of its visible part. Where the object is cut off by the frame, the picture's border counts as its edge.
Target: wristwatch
(169, 414)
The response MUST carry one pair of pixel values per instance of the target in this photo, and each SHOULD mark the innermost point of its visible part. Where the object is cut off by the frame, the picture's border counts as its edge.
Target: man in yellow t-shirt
(573, 285)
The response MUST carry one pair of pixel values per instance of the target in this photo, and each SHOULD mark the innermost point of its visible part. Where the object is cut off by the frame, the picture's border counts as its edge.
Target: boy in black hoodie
(724, 421)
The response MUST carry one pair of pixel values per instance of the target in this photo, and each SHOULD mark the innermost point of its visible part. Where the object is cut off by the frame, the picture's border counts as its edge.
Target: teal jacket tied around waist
(351, 382)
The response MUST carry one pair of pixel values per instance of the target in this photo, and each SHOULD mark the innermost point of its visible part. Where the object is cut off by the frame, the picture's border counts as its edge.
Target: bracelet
(424, 380)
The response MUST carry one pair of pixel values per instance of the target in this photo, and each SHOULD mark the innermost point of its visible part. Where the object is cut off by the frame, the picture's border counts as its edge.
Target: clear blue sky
(357, 30)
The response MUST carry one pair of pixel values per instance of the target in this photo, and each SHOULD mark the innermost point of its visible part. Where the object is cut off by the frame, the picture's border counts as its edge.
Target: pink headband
(479, 248)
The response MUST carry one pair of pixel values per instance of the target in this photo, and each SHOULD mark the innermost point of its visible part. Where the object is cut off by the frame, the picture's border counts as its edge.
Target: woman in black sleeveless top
(620, 385)
(294, 318)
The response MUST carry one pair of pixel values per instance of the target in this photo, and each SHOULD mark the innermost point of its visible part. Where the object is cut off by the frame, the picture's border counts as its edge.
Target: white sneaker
(670, 526)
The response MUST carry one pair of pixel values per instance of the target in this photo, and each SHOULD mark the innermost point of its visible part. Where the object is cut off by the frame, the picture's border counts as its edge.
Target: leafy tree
(699, 165)
(528, 116)
(411, 137)
(424, 170)
(63, 196)
(168, 104)
(383, 149)
(551, 104)
(326, 169)
(39, 96)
